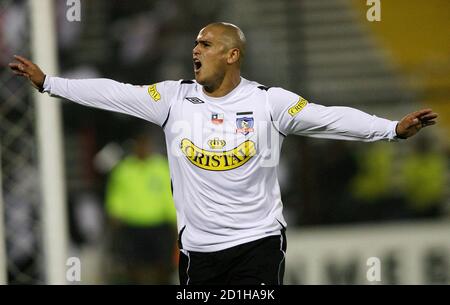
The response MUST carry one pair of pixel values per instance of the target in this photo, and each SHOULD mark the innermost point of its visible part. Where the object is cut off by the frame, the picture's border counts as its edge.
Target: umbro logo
(195, 100)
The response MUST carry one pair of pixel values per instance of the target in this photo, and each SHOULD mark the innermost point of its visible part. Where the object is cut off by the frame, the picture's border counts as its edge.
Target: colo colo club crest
(245, 123)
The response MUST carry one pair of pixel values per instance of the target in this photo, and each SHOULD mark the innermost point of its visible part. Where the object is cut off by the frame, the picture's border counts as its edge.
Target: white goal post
(49, 139)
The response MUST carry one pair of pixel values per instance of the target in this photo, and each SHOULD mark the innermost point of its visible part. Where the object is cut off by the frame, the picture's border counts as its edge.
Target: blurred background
(344, 202)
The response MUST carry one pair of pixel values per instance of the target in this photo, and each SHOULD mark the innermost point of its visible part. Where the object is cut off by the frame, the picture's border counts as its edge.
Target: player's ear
(233, 55)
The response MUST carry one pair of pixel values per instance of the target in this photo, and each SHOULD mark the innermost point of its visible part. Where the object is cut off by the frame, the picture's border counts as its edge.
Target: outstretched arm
(144, 102)
(351, 124)
(296, 116)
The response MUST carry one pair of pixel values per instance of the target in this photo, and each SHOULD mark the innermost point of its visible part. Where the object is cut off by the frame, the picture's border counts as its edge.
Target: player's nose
(196, 50)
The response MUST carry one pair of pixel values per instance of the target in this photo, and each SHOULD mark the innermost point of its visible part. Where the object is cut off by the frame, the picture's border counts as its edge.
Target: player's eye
(205, 44)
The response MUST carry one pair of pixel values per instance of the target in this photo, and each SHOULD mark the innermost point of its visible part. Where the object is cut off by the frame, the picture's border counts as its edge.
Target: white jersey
(223, 151)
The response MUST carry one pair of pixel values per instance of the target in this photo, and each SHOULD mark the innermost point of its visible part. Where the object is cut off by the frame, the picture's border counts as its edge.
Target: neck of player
(224, 85)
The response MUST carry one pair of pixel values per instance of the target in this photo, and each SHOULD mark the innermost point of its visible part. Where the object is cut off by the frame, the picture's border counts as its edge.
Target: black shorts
(255, 263)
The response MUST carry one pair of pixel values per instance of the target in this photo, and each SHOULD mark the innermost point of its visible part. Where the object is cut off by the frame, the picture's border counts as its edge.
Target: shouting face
(210, 56)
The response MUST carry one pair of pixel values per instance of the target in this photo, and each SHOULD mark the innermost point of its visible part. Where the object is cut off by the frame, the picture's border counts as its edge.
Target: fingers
(425, 123)
(14, 66)
(23, 60)
(26, 68)
(411, 121)
(429, 116)
(428, 119)
(23, 64)
(421, 112)
(18, 69)
(421, 118)
(20, 73)
(428, 123)
(414, 122)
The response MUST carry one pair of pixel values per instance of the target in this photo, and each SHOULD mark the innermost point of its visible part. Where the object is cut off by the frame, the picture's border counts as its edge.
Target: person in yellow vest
(424, 177)
(140, 207)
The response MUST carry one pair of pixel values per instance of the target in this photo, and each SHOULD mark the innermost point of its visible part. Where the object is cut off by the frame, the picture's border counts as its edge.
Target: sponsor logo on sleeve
(153, 92)
(218, 161)
(298, 106)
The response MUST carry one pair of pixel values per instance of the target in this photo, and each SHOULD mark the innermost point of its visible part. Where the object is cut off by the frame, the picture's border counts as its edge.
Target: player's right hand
(28, 69)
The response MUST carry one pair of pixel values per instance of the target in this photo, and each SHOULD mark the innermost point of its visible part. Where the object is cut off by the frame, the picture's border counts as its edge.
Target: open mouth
(197, 65)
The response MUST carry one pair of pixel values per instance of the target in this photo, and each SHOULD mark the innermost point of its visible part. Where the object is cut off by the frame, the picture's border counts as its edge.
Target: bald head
(231, 35)
(217, 56)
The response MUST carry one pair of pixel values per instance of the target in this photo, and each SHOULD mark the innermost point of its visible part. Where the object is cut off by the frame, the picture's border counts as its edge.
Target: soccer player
(229, 209)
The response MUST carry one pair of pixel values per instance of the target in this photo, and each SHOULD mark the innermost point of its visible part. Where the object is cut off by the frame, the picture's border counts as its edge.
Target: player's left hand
(414, 122)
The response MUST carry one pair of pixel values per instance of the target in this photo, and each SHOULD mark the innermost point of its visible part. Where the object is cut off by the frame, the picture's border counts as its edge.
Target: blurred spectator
(375, 188)
(393, 187)
(142, 216)
(374, 179)
(424, 177)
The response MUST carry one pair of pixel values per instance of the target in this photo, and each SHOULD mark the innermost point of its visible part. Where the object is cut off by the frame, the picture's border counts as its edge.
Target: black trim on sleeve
(41, 88)
(264, 88)
(187, 81)
(271, 119)
(167, 118)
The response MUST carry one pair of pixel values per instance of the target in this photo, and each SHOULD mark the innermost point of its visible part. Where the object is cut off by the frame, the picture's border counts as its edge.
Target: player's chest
(240, 120)
(217, 136)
